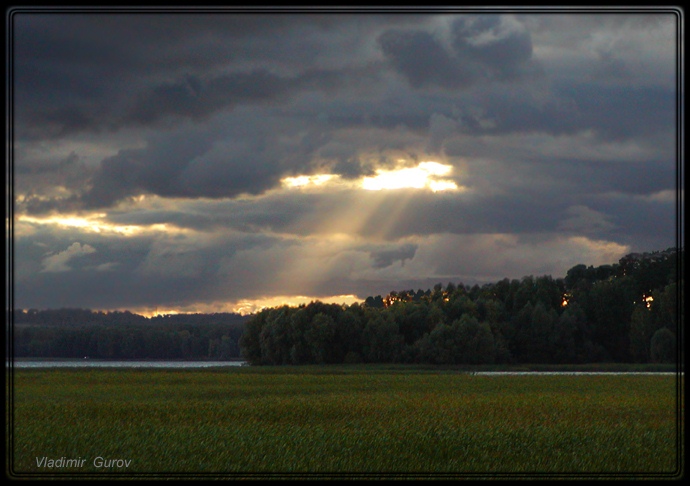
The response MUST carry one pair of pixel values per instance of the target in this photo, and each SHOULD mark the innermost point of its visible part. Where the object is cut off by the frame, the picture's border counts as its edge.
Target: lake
(93, 363)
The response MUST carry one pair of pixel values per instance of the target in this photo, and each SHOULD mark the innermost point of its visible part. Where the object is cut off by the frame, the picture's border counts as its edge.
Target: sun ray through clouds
(368, 215)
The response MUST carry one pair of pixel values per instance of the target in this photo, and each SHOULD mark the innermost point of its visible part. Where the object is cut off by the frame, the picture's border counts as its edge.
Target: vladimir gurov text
(99, 462)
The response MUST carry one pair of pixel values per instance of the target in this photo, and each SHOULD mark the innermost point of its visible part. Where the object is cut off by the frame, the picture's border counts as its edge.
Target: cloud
(423, 61)
(190, 162)
(198, 99)
(386, 258)
(482, 48)
(441, 127)
(493, 256)
(58, 262)
(582, 220)
(499, 45)
(164, 142)
(130, 71)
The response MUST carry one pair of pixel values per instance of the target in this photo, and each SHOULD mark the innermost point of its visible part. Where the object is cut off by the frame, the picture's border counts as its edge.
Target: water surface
(93, 363)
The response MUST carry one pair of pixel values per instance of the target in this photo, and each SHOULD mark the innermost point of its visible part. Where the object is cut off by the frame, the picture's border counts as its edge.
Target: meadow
(341, 420)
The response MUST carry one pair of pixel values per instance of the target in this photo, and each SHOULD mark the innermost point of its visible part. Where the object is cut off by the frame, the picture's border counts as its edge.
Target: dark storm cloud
(31, 253)
(54, 166)
(252, 217)
(517, 213)
(627, 177)
(483, 47)
(423, 60)
(640, 218)
(245, 154)
(611, 112)
(575, 178)
(71, 268)
(198, 99)
(503, 55)
(77, 73)
(116, 289)
(621, 219)
(621, 111)
(154, 169)
(42, 179)
(39, 175)
(386, 258)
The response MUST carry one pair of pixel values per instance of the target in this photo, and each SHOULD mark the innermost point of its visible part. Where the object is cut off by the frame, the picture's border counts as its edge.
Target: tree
(107, 343)
(381, 341)
(544, 319)
(275, 337)
(463, 341)
(226, 347)
(320, 337)
(474, 341)
(641, 331)
(375, 302)
(184, 338)
(524, 294)
(549, 292)
(300, 350)
(611, 306)
(663, 346)
(563, 338)
(492, 310)
(436, 316)
(440, 346)
(250, 341)
(575, 275)
(534, 333)
(413, 319)
(348, 341)
(131, 344)
(460, 305)
(664, 307)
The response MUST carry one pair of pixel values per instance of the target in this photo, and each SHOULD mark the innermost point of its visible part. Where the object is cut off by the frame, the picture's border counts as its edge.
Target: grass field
(341, 420)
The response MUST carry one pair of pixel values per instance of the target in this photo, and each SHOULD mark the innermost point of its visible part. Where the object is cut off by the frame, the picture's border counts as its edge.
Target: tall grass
(344, 420)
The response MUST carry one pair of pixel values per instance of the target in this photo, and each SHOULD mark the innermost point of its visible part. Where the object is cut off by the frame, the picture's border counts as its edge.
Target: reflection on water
(90, 363)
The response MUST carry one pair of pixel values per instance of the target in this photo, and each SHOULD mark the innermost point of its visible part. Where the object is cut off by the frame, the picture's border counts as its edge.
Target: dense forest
(624, 312)
(76, 333)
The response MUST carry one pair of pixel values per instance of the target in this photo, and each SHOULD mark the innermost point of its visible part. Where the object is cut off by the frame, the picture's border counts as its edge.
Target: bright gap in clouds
(427, 175)
(313, 180)
(95, 223)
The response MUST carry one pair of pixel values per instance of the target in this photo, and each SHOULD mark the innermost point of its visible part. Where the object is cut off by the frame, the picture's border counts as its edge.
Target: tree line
(79, 333)
(624, 312)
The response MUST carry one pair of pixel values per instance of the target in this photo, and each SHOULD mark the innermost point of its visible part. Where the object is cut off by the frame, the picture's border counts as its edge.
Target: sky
(222, 162)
